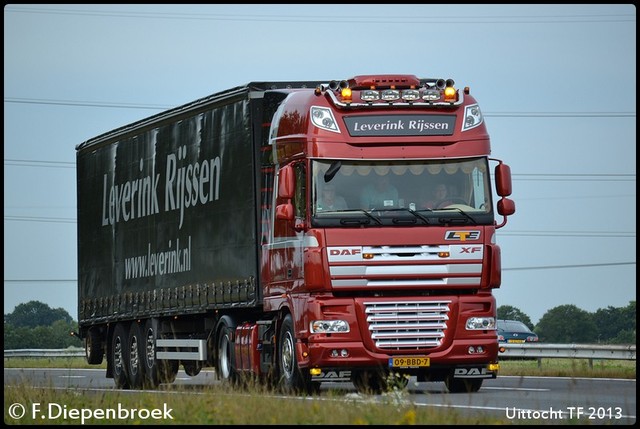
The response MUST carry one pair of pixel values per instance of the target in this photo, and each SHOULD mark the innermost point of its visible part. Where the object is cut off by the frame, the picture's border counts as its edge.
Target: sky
(556, 83)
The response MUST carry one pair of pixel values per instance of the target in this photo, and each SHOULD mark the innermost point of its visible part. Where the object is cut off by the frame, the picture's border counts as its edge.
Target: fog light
(334, 353)
(315, 371)
(344, 353)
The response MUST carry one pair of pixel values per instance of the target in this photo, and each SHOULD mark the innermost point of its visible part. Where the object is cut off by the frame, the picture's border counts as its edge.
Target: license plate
(515, 341)
(408, 362)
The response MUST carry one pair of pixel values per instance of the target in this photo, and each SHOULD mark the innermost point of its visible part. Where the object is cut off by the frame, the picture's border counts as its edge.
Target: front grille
(407, 325)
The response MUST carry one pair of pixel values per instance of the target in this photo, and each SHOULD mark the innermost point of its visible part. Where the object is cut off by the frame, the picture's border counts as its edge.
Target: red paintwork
(299, 280)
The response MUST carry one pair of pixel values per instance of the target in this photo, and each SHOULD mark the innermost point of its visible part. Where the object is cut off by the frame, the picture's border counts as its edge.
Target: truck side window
(299, 199)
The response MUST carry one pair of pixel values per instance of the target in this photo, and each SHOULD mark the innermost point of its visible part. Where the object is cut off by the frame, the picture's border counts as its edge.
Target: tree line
(35, 325)
(569, 324)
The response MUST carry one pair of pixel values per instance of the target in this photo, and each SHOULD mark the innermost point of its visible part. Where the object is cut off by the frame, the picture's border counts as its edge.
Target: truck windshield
(381, 192)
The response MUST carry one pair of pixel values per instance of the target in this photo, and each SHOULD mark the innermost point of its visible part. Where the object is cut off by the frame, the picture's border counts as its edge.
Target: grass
(221, 405)
(600, 368)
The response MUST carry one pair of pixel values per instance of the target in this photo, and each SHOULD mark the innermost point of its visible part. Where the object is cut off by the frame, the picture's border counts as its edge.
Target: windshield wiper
(456, 220)
(378, 221)
(413, 212)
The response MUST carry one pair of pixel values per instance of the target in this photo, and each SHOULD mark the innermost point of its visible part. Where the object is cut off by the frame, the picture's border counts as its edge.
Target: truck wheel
(226, 359)
(292, 378)
(462, 385)
(136, 344)
(152, 379)
(168, 370)
(156, 371)
(192, 368)
(119, 357)
(93, 349)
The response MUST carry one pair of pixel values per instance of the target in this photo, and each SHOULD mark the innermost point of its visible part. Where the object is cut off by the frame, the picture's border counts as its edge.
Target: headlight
(472, 117)
(328, 326)
(323, 118)
(480, 323)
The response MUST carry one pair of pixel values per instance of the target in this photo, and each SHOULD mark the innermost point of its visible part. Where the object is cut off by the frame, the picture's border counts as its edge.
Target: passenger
(328, 200)
(379, 195)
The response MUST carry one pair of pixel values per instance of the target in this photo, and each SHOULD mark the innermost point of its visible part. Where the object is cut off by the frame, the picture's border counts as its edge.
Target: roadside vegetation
(599, 368)
(255, 405)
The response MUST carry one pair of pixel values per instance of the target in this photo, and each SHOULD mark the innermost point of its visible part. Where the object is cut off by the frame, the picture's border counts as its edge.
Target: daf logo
(345, 251)
(333, 375)
(462, 235)
(470, 372)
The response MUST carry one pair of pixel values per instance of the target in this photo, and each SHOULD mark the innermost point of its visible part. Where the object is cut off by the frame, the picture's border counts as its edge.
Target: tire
(168, 370)
(462, 385)
(119, 355)
(226, 371)
(156, 371)
(151, 370)
(137, 351)
(93, 347)
(192, 367)
(291, 378)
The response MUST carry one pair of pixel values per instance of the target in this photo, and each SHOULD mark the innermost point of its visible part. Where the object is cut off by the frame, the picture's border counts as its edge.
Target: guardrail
(567, 351)
(527, 350)
(41, 353)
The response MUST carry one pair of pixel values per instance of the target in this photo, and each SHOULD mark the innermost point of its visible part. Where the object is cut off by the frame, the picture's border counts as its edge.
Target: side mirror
(284, 211)
(286, 183)
(506, 207)
(503, 180)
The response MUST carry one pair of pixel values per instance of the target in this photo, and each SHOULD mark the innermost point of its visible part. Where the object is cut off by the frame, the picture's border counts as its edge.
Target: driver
(439, 198)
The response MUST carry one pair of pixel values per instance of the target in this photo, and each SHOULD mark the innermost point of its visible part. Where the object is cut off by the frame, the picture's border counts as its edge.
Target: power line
(164, 107)
(577, 234)
(545, 267)
(39, 219)
(41, 280)
(36, 163)
(548, 267)
(118, 105)
(360, 19)
(534, 176)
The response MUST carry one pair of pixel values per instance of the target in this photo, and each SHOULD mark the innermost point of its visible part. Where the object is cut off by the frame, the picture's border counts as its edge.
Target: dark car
(513, 331)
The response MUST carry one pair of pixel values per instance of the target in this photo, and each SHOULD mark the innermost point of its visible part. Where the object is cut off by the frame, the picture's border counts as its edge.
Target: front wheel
(292, 378)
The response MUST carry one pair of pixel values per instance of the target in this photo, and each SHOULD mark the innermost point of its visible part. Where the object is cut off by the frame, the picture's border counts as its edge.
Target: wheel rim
(133, 356)
(117, 355)
(287, 357)
(88, 347)
(150, 348)
(225, 366)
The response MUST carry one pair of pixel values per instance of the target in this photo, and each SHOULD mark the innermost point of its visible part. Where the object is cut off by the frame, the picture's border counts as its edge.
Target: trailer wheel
(137, 351)
(156, 371)
(226, 370)
(192, 368)
(292, 378)
(152, 379)
(93, 348)
(168, 370)
(462, 385)
(120, 356)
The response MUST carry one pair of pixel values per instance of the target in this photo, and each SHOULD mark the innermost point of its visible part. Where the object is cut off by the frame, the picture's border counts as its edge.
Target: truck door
(286, 270)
